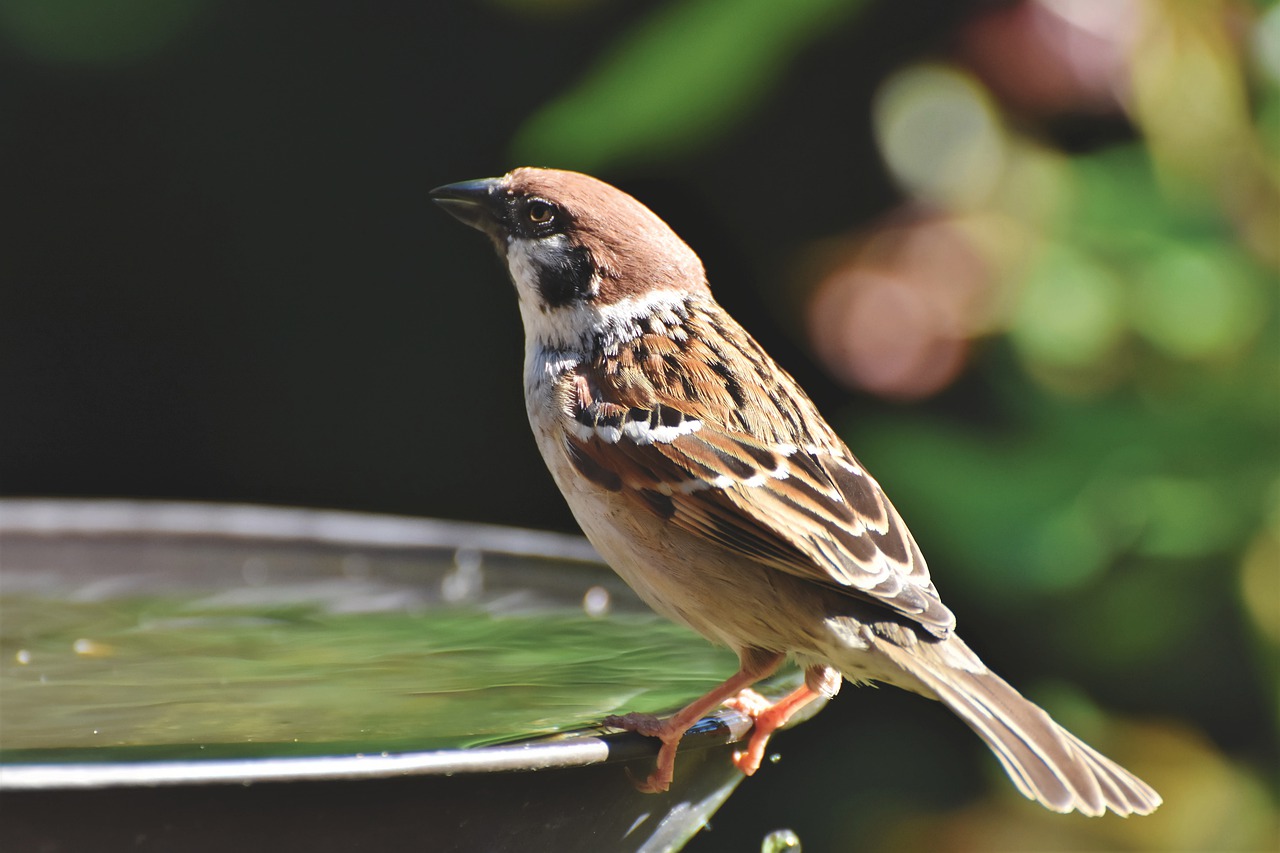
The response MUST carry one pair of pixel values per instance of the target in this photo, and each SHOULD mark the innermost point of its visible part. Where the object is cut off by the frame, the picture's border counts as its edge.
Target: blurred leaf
(1070, 312)
(674, 80)
(1260, 582)
(1081, 486)
(1199, 301)
(940, 135)
(90, 31)
(1126, 266)
(1117, 196)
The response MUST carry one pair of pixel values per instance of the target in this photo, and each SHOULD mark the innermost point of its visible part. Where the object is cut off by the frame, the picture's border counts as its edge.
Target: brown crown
(634, 251)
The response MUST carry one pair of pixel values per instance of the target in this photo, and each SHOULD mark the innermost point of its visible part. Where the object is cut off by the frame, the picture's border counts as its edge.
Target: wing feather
(798, 502)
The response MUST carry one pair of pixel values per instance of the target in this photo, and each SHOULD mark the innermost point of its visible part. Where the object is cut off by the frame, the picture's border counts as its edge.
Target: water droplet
(91, 648)
(597, 602)
(466, 580)
(780, 841)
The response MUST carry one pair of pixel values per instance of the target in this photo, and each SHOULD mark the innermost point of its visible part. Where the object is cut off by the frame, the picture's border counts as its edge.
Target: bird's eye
(540, 213)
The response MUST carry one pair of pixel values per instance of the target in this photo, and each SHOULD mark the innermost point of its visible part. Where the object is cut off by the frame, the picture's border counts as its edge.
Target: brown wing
(786, 493)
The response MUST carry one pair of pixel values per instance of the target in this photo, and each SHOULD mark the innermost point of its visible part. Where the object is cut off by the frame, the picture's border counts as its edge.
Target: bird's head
(582, 254)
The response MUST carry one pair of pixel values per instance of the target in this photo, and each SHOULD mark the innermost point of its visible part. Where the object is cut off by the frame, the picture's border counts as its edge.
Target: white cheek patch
(529, 260)
(523, 270)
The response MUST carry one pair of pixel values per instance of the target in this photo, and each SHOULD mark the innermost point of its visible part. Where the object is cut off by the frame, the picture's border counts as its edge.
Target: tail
(1047, 763)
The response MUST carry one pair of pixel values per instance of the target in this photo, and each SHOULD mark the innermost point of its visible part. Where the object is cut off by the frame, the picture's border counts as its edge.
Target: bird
(708, 480)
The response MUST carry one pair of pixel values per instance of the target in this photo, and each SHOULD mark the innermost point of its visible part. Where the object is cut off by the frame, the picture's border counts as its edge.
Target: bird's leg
(769, 717)
(754, 665)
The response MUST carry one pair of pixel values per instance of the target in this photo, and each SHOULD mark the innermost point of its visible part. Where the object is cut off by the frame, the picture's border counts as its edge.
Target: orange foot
(754, 665)
(668, 731)
(768, 718)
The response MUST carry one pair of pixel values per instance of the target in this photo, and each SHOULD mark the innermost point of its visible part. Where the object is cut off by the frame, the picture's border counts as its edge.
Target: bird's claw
(749, 703)
(642, 724)
(654, 783)
(759, 709)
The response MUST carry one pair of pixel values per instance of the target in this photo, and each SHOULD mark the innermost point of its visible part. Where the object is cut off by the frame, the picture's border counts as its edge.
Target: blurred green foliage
(1179, 324)
(87, 31)
(673, 81)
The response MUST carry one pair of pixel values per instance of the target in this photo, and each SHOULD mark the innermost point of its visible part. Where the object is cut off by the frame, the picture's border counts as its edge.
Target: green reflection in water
(151, 677)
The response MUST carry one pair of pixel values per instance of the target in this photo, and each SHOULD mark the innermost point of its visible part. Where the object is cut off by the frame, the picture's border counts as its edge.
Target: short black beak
(475, 203)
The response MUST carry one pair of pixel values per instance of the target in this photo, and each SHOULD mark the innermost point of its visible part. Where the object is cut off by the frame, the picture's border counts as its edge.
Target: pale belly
(726, 597)
(729, 599)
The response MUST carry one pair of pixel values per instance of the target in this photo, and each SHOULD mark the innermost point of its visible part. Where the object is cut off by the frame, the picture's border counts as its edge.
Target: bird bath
(205, 677)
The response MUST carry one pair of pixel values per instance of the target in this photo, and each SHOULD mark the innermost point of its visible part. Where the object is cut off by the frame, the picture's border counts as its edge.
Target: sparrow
(708, 480)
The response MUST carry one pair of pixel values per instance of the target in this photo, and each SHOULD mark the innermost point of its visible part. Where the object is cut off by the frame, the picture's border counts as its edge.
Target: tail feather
(1045, 761)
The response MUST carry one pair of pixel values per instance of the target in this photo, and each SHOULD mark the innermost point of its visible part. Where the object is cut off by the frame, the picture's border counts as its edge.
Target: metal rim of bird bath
(58, 517)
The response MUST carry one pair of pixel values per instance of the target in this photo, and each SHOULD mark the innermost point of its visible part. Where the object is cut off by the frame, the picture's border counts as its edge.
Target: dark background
(221, 279)
(224, 279)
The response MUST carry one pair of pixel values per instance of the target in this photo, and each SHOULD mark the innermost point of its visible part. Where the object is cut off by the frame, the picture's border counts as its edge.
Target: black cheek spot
(565, 277)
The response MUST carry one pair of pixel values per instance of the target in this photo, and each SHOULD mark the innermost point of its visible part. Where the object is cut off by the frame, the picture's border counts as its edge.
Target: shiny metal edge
(50, 516)
(18, 777)
(724, 727)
